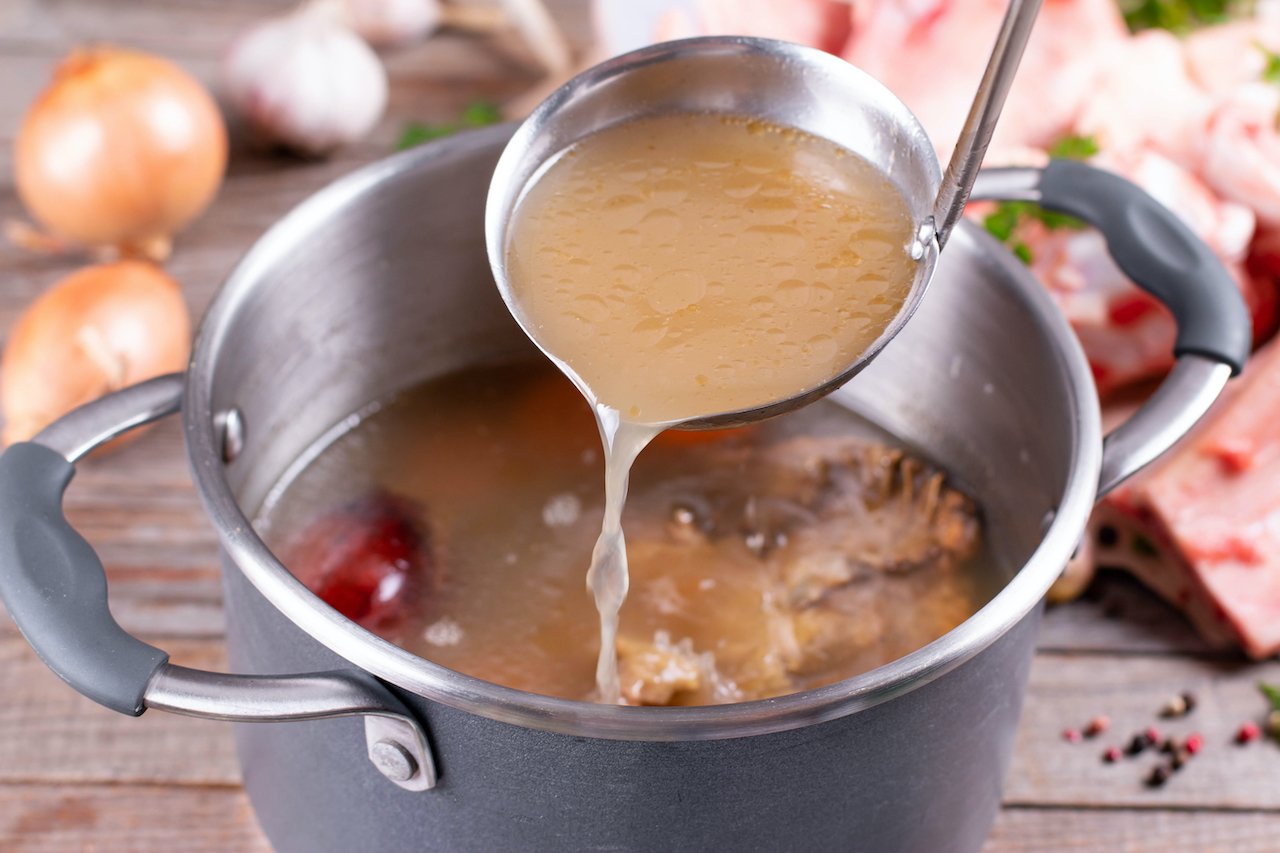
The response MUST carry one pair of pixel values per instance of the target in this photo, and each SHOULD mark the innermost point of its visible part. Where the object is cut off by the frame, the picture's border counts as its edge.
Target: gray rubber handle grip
(1160, 254)
(55, 588)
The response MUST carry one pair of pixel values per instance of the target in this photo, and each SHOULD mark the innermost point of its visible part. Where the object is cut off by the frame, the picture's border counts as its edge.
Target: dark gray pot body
(920, 772)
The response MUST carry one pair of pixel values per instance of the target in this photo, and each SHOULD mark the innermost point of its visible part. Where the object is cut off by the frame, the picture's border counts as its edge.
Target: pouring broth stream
(684, 266)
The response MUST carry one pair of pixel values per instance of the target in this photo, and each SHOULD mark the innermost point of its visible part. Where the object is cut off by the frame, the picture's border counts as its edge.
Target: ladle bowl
(786, 84)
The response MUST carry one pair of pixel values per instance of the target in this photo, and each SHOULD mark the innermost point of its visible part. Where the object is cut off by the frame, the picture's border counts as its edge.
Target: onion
(97, 330)
(122, 149)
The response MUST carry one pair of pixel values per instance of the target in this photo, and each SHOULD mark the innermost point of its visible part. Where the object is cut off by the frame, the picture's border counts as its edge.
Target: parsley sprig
(1179, 16)
(475, 114)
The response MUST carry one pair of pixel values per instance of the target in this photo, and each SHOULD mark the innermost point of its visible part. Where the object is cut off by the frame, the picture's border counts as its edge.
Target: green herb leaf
(1001, 222)
(1272, 692)
(475, 114)
(481, 113)
(1074, 148)
(1271, 71)
(1023, 252)
(1054, 220)
(416, 133)
(1179, 16)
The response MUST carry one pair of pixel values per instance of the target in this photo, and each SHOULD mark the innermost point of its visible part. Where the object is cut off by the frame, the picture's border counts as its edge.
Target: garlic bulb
(392, 23)
(305, 81)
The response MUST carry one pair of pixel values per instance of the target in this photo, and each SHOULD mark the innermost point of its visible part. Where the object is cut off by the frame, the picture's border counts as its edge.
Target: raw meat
(840, 550)
(1202, 527)
(931, 54)
(1241, 150)
(1226, 56)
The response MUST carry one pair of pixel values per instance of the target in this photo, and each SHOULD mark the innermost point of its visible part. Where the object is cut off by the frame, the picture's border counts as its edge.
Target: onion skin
(122, 149)
(95, 331)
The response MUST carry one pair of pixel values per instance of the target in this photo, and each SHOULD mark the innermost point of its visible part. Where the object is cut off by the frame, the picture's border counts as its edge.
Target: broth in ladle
(684, 266)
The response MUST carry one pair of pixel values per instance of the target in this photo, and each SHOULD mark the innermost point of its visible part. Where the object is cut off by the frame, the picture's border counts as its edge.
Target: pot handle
(1152, 246)
(55, 589)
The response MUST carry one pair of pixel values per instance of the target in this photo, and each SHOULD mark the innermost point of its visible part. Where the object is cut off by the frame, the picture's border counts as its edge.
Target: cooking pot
(380, 282)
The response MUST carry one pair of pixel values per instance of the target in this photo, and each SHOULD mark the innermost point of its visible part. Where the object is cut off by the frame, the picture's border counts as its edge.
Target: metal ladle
(786, 84)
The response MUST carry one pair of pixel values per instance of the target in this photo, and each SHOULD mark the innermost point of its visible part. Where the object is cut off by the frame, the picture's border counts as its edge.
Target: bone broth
(684, 266)
(457, 519)
(691, 265)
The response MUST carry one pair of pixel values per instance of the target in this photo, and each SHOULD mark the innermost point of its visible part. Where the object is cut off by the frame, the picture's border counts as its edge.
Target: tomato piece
(366, 559)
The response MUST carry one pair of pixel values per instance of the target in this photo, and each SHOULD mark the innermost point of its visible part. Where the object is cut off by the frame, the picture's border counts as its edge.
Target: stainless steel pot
(381, 281)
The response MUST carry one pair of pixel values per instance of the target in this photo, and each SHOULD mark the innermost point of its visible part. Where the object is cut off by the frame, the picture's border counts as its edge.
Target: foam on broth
(683, 266)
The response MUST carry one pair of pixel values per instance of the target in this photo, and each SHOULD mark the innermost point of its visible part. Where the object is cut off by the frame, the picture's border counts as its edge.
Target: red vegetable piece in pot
(365, 559)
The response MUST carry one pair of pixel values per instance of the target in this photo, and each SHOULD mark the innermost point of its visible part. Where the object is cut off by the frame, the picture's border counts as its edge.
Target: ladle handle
(1151, 245)
(988, 101)
(55, 589)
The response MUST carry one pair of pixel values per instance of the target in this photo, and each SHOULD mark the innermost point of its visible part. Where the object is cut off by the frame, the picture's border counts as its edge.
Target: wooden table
(74, 776)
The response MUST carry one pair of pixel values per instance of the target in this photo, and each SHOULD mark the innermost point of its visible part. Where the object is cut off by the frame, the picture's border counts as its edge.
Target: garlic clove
(392, 23)
(306, 82)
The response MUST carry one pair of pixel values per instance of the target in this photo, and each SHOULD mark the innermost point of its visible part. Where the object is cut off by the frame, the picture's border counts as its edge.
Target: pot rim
(434, 682)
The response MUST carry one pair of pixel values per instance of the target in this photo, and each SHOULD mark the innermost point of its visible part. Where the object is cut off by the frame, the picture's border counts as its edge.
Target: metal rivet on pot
(230, 428)
(393, 761)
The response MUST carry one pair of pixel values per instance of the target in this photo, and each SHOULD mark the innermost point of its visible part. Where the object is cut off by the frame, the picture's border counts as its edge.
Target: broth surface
(764, 560)
(689, 265)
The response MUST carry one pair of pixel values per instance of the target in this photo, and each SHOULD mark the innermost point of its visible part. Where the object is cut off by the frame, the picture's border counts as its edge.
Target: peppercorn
(1158, 776)
(1179, 706)
(1194, 743)
(1248, 733)
(1136, 745)
(1152, 735)
(1111, 755)
(1097, 726)
(1071, 735)
(1113, 609)
(1179, 758)
(1169, 745)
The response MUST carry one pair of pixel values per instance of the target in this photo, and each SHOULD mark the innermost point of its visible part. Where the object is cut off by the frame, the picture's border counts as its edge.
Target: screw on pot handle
(55, 589)
(1155, 249)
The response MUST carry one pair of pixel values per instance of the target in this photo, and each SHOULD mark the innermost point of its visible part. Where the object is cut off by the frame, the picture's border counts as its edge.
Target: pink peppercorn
(1152, 734)
(1248, 732)
(1097, 725)
(1194, 743)
(1112, 754)
(1071, 735)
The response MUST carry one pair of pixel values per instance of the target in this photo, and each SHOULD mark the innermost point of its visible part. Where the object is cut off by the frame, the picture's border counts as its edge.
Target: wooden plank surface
(137, 818)
(1033, 830)
(74, 776)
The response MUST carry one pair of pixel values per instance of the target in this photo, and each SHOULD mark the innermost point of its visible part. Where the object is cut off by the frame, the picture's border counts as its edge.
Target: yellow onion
(95, 331)
(122, 149)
